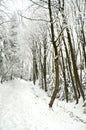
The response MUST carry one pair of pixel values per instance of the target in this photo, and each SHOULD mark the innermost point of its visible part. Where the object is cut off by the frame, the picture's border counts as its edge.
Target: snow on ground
(24, 106)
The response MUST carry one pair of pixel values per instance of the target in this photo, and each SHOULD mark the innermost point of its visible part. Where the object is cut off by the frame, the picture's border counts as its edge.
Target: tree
(56, 55)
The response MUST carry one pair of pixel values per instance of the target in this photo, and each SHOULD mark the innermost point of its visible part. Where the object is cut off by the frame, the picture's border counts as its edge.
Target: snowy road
(23, 107)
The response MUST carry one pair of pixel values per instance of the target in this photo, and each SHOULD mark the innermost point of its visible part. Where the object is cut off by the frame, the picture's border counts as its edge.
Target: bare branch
(34, 19)
(6, 22)
(59, 34)
(36, 3)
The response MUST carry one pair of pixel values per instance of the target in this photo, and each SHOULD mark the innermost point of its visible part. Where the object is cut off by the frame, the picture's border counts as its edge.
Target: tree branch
(36, 3)
(59, 35)
(34, 19)
(6, 22)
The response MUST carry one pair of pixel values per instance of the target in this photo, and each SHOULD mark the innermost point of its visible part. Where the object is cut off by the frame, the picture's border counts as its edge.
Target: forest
(43, 42)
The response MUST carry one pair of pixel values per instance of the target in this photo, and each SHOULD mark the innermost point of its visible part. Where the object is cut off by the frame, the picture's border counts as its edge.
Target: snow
(24, 106)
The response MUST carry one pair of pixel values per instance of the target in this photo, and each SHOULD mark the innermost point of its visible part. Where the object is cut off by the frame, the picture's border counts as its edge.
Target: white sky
(16, 5)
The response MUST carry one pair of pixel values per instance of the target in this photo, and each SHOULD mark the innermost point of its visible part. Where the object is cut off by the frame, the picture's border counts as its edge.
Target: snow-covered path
(25, 107)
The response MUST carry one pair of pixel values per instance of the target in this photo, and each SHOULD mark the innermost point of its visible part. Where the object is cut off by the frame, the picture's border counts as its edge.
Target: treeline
(66, 33)
(54, 46)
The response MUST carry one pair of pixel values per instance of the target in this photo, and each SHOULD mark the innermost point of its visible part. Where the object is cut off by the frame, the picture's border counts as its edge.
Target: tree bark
(69, 64)
(64, 76)
(45, 47)
(56, 55)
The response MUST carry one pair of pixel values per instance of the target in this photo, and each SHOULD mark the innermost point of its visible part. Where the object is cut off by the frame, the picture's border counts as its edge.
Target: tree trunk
(56, 84)
(64, 76)
(35, 70)
(40, 69)
(69, 64)
(45, 47)
(56, 55)
(74, 65)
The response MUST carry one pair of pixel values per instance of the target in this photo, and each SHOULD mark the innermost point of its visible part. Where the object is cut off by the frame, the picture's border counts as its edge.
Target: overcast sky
(18, 4)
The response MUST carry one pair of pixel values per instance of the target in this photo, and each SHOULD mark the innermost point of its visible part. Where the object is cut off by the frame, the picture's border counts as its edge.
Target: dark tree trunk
(56, 55)
(35, 70)
(69, 64)
(74, 65)
(64, 76)
(45, 47)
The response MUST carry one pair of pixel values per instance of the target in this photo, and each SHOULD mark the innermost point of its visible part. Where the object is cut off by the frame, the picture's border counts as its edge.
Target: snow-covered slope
(24, 106)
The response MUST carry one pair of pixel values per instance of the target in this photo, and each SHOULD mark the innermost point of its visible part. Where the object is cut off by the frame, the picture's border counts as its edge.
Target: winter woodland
(43, 54)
